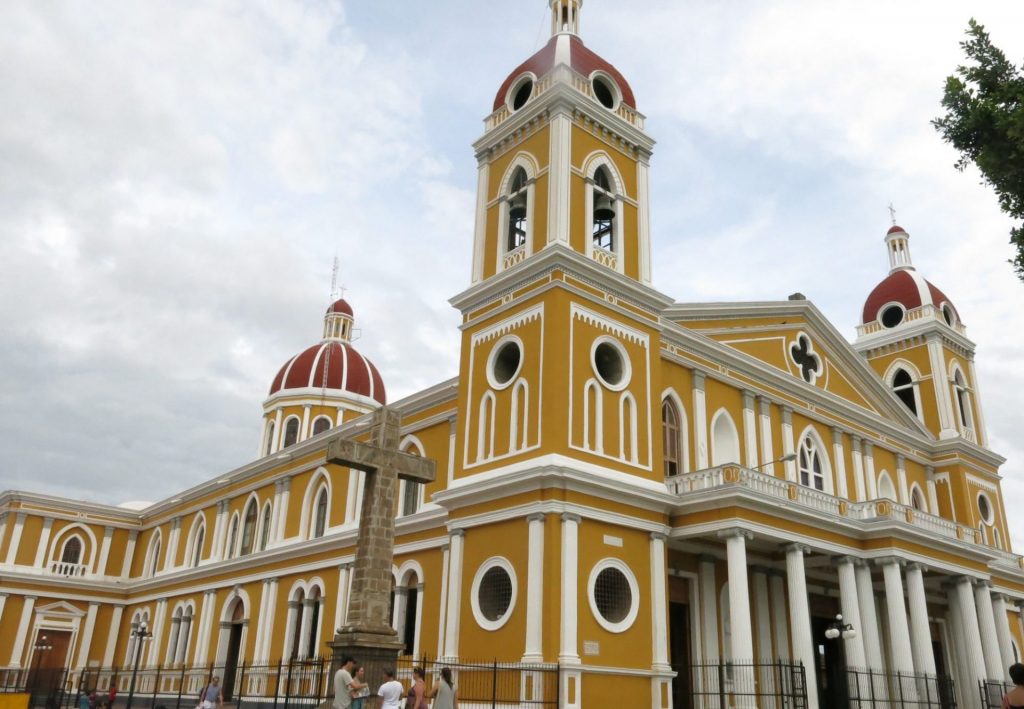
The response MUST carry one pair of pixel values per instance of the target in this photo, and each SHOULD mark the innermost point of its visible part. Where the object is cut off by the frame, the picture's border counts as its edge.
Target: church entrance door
(234, 651)
(679, 655)
(830, 665)
(48, 667)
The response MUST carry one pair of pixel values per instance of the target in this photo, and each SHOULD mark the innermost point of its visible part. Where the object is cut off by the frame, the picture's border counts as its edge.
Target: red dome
(895, 230)
(581, 59)
(340, 306)
(905, 287)
(347, 370)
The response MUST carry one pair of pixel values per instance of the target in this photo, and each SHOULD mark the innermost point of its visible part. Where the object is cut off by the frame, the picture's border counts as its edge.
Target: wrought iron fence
(723, 685)
(45, 686)
(491, 684)
(992, 692)
(875, 689)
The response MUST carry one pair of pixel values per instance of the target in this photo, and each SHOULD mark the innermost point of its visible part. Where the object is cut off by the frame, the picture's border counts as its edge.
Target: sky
(177, 177)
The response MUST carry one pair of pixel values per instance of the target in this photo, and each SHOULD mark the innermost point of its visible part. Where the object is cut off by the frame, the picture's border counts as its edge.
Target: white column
(101, 562)
(271, 612)
(278, 433)
(534, 651)
(341, 607)
(659, 602)
(205, 628)
(398, 607)
(294, 612)
(839, 456)
(451, 631)
(700, 421)
(644, 220)
(85, 636)
(933, 498)
(941, 382)
(480, 225)
(159, 617)
(442, 618)
(129, 553)
(987, 628)
(709, 607)
(18, 646)
(780, 617)
(306, 625)
(971, 635)
(749, 429)
(902, 659)
(868, 616)
(262, 614)
(901, 479)
(982, 432)
(739, 613)
(3, 527)
(848, 600)
(173, 639)
(112, 633)
(451, 451)
(184, 632)
(1002, 619)
(12, 549)
(44, 542)
(869, 471)
(800, 619)
(286, 487)
(920, 631)
(568, 644)
(762, 612)
(788, 446)
(304, 431)
(261, 447)
(171, 552)
(560, 132)
(220, 530)
(767, 445)
(860, 492)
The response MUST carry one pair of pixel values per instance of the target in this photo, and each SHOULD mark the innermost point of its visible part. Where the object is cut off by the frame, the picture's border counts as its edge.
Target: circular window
(948, 315)
(611, 364)
(494, 593)
(604, 91)
(521, 93)
(891, 316)
(614, 595)
(985, 508)
(504, 362)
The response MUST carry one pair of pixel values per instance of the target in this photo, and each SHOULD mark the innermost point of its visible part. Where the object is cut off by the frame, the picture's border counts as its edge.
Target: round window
(603, 91)
(494, 593)
(611, 363)
(614, 595)
(892, 316)
(521, 93)
(504, 362)
(985, 508)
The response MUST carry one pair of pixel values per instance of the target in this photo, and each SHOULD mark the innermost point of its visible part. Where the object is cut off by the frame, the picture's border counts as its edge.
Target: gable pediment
(60, 609)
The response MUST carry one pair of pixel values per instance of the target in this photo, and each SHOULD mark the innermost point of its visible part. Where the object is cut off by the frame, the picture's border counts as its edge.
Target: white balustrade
(63, 568)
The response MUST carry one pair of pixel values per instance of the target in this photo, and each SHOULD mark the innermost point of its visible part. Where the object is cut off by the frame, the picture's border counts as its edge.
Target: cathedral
(628, 487)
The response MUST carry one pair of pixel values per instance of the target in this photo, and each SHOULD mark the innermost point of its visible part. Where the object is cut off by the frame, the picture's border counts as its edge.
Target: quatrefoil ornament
(805, 358)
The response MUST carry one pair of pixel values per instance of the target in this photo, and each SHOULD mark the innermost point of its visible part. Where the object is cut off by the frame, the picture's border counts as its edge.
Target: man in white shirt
(391, 691)
(343, 684)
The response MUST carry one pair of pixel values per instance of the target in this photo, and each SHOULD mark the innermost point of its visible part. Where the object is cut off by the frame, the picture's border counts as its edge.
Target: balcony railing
(64, 568)
(735, 477)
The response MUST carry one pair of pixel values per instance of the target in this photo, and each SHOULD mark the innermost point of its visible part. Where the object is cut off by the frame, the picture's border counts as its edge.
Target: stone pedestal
(375, 650)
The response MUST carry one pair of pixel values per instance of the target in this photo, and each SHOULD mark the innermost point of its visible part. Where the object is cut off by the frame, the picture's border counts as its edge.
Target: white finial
(565, 16)
(892, 213)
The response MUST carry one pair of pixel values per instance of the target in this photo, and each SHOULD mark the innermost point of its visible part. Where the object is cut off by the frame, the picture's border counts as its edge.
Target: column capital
(456, 533)
(286, 483)
(916, 566)
(764, 402)
(346, 566)
(901, 461)
(869, 448)
(748, 399)
(792, 547)
(536, 517)
(294, 604)
(571, 517)
(735, 532)
(787, 414)
(983, 583)
(659, 537)
(856, 440)
(698, 379)
(837, 434)
(401, 591)
(886, 560)
(845, 559)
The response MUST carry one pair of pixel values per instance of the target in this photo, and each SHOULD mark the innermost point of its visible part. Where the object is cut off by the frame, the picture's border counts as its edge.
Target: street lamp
(784, 459)
(838, 629)
(41, 646)
(140, 634)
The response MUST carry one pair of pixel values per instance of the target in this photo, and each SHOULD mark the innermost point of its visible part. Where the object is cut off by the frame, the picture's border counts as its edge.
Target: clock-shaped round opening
(892, 316)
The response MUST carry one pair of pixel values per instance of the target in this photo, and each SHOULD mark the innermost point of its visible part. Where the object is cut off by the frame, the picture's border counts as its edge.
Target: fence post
(156, 685)
(277, 684)
(721, 682)
(287, 684)
(494, 684)
(181, 687)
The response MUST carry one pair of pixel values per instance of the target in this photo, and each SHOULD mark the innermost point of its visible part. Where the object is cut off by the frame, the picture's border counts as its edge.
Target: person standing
(417, 698)
(212, 698)
(443, 692)
(390, 692)
(343, 683)
(360, 689)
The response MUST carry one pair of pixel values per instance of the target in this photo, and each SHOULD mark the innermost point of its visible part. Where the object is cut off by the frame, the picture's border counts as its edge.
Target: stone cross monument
(368, 636)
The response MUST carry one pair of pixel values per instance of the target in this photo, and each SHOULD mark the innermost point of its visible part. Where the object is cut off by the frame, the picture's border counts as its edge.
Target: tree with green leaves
(984, 121)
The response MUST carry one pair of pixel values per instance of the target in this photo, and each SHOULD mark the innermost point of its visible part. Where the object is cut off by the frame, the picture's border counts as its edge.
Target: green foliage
(984, 120)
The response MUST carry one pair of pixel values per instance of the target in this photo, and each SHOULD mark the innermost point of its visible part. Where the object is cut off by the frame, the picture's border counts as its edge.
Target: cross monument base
(376, 651)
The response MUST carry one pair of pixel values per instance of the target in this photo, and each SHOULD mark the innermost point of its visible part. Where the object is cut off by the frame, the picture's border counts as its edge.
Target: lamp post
(838, 629)
(41, 646)
(140, 634)
(784, 459)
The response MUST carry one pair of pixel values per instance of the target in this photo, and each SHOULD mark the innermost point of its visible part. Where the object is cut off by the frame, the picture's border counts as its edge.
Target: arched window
(197, 545)
(232, 537)
(72, 553)
(291, 432)
(963, 399)
(265, 528)
(300, 597)
(917, 500)
(249, 528)
(725, 441)
(886, 490)
(321, 424)
(153, 558)
(314, 621)
(320, 513)
(517, 211)
(903, 387)
(670, 438)
(604, 211)
(811, 472)
(270, 439)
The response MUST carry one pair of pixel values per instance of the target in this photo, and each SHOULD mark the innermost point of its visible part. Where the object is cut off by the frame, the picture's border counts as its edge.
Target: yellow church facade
(627, 486)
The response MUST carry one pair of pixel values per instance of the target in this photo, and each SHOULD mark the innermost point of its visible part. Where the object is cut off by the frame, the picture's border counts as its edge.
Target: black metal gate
(723, 685)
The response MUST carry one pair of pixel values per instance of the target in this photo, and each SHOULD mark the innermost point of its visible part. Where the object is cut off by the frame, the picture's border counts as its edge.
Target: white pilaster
(112, 633)
(205, 628)
(749, 430)
(262, 614)
(940, 380)
(306, 625)
(278, 433)
(451, 640)
(129, 553)
(700, 420)
(643, 196)
(901, 479)
(902, 659)
(855, 654)
(442, 619)
(859, 489)
(184, 632)
(933, 498)
(3, 527)
(159, 618)
(44, 542)
(304, 431)
(1002, 619)
(780, 617)
(767, 445)
(709, 607)
(788, 446)
(982, 432)
(659, 602)
(568, 645)
(839, 456)
(85, 636)
(24, 624)
(220, 530)
(483, 173)
(800, 618)
(560, 132)
(101, 562)
(534, 651)
(920, 631)
(282, 527)
(739, 614)
(987, 629)
(271, 612)
(869, 471)
(341, 607)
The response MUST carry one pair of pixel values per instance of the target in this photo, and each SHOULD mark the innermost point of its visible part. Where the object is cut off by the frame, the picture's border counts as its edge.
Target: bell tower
(563, 161)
